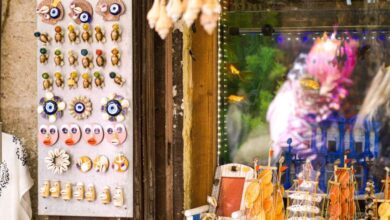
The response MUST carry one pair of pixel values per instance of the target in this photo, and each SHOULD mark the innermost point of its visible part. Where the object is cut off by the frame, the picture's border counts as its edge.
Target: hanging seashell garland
(164, 13)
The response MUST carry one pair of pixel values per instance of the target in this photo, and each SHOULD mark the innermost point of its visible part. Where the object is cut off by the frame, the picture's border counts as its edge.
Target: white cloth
(15, 181)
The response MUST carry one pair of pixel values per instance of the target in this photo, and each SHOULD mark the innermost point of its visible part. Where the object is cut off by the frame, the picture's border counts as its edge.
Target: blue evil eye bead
(79, 107)
(54, 13)
(50, 107)
(84, 52)
(115, 9)
(85, 17)
(114, 108)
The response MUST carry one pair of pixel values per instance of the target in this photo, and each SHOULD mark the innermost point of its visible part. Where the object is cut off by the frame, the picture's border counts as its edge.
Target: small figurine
(45, 189)
(86, 61)
(99, 79)
(58, 58)
(43, 37)
(118, 197)
(86, 35)
(73, 80)
(87, 81)
(72, 58)
(116, 33)
(55, 190)
(115, 57)
(66, 193)
(47, 82)
(79, 192)
(105, 196)
(59, 79)
(59, 35)
(90, 194)
(118, 79)
(73, 34)
(44, 57)
(99, 34)
(100, 60)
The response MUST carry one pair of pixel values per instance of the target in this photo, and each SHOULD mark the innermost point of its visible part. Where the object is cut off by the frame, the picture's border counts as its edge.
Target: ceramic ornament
(105, 196)
(118, 197)
(86, 35)
(115, 57)
(50, 11)
(59, 34)
(58, 58)
(87, 81)
(100, 59)
(70, 134)
(67, 192)
(120, 163)
(59, 80)
(101, 164)
(45, 189)
(116, 33)
(110, 10)
(72, 58)
(79, 191)
(73, 80)
(55, 189)
(48, 135)
(81, 11)
(116, 135)
(80, 107)
(99, 34)
(43, 37)
(90, 194)
(51, 107)
(47, 83)
(118, 79)
(86, 59)
(73, 34)
(44, 57)
(57, 161)
(99, 79)
(84, 164)
(114, 107)
(93, 134)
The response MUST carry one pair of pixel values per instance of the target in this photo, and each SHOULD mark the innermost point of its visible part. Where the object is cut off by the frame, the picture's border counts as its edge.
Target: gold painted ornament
(55, 190)
(84, 164)
(86, 36)
(43, 37)
(73, 80)
(86, 59)
(101, 164)
(45, 189)
(118, 79)
(44, 57)
(120, 163)
(105, 196)
(115, 57)
(116, 33)
(90, 194)
(59, 34)
(47, 82)
(118, 197)
(58, 58)
(72, 58)
(100, 59)
(79, 191)
(80, 107)
(67, 192)
(100, 35)
(73, 34)
(99, 79)
(87, 81)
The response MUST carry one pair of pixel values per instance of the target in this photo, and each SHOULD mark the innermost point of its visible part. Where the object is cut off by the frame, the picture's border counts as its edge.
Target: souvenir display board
(85, 122)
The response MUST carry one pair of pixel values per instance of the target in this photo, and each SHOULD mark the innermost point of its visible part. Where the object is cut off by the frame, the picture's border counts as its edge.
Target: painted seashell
(48, 135)
(70, 134)
(105, 196)
(55, 190)
(120, 163)
(79, 191)
(93, 134)
(90, 194)
(116, 135)
(84, 164)
(66, 193)
(101, 164)
(45, 189)
(118, 197)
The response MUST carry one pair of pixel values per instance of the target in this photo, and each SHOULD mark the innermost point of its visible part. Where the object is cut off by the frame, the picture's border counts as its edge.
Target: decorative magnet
(45, 189)
(66, 193)
(48, 135)
(90, 194)
(79, 191)
(58, 58)
(51, 107)
(99, 79)
(72, 58)
(55, 190)
(59, 79)
(81, 11)
(100, 60)
(80, 107)
(59, 35)
(99, 34)
(43, 37)
(44, 57)
(87, 81)
(116, 33)
(50, 11)
(47, 82)
(101, 164)
(57, 161)
(70, 134)
(114, 107)
(93, 134)
(116, 135)
(118, 79)
(86, 61)
(115, 57)
(111, 10)
(84, 164)
(73, 34)
(118, 198)
(105, 196)
(86, 35)
(120, 163)
(73, 80)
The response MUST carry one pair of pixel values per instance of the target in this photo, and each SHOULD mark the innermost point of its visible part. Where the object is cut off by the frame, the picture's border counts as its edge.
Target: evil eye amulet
(85, 17)
(114, 108)
(115, 9)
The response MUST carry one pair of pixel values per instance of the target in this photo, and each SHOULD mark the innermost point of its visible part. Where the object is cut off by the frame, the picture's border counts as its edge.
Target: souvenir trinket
(73, 80)
(93, 134)
(118, 79)
(101, 164)
(116, 33)
(105, 196)
(72, 58)
(81, 11)
(51, 107)
(47, 82)
(73, 34)
(70, 134)
(57, 161)
(79, 192)
(55, 190)
(48, 135)
(80, 107)
(43, 37)
(50, 11)
(100, 60)
(90, 194)
(45, 189)
(59, 79)
(86, 61)
(87, 81)
(114, 107)
(66, 194)
(86, 35)
(99, 34)
(120, 163)
(115, 57)
(59, 35)
(58, 58)
(118, 198)
(44, 57)
(111, 10)
(116, 135)
(84, 164)
(99, 79)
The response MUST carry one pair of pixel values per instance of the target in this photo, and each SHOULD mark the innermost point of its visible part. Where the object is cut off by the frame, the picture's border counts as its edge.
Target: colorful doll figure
(55, 190)
(45, 189)
(66, 194)
(51, 107)
(81, 11)
(90, 194)
(111, 10)
(114, 107)
(120, 163)
(105, 196)
(79, 192)
(118, 197)
(93, 134)
(70, 134)
(116, 135)
(50, 11)
(48, 135)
